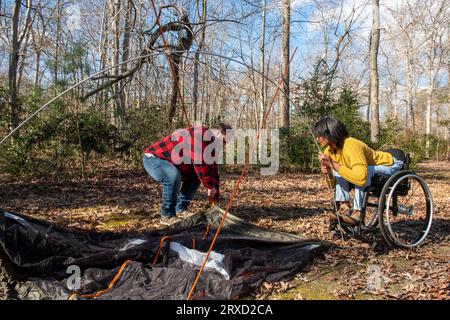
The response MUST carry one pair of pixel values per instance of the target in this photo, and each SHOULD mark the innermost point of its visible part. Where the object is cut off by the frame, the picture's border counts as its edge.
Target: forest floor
(120, 200)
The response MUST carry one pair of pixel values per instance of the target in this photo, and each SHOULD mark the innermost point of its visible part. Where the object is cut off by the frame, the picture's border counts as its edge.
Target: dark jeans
(174, 199)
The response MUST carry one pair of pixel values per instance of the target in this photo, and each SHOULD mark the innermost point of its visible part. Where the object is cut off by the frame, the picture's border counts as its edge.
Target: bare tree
(185, 37)
(17, 38)
(434, 28)
(115, 9)
(128, 26)
(285, 35)
(197, 58)
(262, 62)
(391, 69)
(58, 13)
(374, 81)
(40, 41)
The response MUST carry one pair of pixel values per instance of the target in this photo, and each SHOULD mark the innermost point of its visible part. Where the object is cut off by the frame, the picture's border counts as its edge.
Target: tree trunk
(196, 60)
(57, 39)
(23, 54)
(37, 82)
(262, 64)
(103, 46)
(409, 91)
(176, 58)
(428, 117)
(373, 65)
(13, 64)
(446, 138)
(124, 96)
(285, 34)
(395, 89)
(115, 55)
(184, 42)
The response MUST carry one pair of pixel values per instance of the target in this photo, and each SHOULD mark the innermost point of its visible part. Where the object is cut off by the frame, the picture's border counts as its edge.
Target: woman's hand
(328, 163)
(325, 160)
(212, 194)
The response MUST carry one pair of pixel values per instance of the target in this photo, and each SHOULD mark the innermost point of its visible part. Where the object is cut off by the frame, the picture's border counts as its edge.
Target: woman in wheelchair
(350, 161)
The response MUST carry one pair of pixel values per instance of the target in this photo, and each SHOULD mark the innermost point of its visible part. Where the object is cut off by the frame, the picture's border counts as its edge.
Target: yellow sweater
(354, 159)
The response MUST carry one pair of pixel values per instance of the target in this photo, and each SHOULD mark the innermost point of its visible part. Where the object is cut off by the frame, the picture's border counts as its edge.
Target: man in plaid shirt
(178, 160)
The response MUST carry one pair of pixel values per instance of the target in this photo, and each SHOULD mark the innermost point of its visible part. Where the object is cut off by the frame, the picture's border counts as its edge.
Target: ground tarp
(36, 259)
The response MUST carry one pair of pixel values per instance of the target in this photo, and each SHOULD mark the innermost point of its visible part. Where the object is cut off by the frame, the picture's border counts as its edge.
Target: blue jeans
(176, 195)
(343, 187)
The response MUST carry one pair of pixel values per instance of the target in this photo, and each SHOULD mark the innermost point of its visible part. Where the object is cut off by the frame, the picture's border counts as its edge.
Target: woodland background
(381, 67)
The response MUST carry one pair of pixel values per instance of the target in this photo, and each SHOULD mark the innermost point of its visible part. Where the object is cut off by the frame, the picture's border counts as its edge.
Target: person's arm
(327, 163)
(209, 176)
(207, 173)
(357, 172)
(326, 169)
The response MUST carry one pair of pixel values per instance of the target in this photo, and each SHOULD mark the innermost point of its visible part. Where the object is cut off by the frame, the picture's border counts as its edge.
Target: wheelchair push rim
(389, 212)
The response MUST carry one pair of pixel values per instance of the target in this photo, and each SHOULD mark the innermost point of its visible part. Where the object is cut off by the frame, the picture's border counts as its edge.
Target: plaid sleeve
(209, 176)
(207, 173)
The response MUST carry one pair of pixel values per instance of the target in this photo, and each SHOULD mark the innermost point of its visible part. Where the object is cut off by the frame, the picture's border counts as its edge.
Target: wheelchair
(399, 207)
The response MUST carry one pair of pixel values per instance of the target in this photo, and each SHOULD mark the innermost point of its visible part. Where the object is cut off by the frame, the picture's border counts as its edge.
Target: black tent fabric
(35, 257)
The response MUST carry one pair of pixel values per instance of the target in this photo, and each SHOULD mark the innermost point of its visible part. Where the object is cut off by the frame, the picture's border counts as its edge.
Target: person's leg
(358, 198)
(342, 189)
(389, 170)
(170, 178)
(373, 170)
(359, 191)
(188, 189)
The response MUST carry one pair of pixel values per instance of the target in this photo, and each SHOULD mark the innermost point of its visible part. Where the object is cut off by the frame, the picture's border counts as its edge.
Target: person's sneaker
(168, 221)
(185, 214)
(344, 209)
(350, 218)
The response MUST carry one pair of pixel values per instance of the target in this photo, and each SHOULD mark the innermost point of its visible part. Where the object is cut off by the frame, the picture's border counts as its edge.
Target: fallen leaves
(121, 200)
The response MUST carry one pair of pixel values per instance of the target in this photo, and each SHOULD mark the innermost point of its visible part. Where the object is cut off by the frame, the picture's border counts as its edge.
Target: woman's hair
(223, 127)
(332, 129)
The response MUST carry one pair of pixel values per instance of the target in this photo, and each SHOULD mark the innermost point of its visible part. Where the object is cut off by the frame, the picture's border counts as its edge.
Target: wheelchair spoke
(410, 220)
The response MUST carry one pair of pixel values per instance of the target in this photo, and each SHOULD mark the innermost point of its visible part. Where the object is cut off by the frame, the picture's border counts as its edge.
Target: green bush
(91, 132)
(56, 141)
(144, 126)
(346, 109)
(297, 145)
(297, 148)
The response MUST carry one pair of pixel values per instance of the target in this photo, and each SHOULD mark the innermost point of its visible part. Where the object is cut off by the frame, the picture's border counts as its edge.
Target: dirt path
(129, 200)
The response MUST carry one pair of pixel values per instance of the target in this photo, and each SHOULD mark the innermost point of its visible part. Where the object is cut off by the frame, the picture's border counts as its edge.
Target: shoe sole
(168, 223)
(187, 215)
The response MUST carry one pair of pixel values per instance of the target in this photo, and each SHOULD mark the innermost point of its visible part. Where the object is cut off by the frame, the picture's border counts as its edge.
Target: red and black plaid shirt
(163, 149)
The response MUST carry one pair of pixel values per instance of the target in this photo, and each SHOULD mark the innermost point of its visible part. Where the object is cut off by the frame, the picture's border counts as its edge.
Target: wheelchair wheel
(405, 210)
